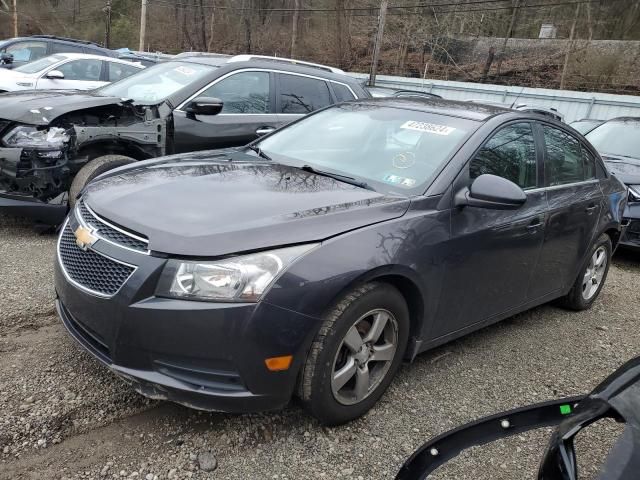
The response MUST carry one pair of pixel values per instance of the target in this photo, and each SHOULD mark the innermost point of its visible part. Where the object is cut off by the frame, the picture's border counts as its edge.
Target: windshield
(617, 138)
(158, 82)
(391, 149)
(39, 65)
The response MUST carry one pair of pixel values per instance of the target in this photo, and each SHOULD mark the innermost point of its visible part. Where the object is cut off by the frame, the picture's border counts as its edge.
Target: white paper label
(427, 127)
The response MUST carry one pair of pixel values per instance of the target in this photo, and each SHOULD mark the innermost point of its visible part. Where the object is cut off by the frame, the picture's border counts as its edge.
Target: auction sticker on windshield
(427, 127)
(185, 70)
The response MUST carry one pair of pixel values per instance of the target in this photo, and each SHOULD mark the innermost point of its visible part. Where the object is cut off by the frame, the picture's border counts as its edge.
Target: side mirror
(6, 58)
(204, 106)
(55, 75)
(491, 191)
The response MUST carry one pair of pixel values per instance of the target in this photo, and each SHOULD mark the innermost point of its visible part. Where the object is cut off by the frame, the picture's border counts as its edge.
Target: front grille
(108, 232)
(90, 270)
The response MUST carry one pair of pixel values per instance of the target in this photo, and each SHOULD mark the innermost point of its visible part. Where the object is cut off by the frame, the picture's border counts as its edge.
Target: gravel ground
(62, 415)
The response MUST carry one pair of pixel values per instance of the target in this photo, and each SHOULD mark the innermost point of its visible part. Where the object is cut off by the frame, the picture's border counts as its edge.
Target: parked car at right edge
(313, 261)
(618, 142)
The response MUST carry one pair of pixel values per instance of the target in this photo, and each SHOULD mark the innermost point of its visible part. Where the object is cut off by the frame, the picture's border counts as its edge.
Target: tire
(330, 352)
(92, 169)
(591, 278)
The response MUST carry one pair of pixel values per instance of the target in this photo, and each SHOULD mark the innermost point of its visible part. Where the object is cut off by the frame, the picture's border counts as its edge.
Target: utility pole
(15, 18)
(294, 28)
(378, 42)
(569, 48)
(143, 24)
(107, 29)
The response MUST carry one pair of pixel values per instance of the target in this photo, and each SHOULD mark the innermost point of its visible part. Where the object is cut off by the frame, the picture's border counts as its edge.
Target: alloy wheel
(594, 274)
(364, 356)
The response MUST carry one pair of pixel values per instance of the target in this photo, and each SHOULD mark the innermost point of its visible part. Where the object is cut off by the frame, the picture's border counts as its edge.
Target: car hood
(42, 106)
(627, 170)
(194, 206)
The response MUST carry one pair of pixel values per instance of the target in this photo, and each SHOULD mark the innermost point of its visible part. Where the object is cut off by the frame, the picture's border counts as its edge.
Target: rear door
(298, 95)
(248, 112)
(574, 197)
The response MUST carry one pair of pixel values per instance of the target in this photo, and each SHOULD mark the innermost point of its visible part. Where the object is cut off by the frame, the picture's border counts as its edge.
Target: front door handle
(264, 130)
(534, 225)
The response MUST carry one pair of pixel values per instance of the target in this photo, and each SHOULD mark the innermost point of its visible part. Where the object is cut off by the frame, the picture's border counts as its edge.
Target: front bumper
(631, 219)
(203, 355)
(27, 206)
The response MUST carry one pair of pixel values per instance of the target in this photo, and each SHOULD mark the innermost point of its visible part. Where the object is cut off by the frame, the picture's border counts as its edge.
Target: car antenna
(517, 96)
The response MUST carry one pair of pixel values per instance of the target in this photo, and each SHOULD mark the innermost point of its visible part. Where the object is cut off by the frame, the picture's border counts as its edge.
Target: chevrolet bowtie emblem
(84, 237)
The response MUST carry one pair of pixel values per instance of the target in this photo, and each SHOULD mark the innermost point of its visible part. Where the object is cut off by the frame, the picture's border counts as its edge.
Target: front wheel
(591, 278)
(356, 353)
(92, 169)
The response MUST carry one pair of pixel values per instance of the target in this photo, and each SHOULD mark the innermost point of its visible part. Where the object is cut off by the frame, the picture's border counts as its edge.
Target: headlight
(29, 136)
(634, 193)
(242, 279)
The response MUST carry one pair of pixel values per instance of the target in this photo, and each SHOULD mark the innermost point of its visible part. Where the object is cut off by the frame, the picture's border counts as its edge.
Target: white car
(66, 71)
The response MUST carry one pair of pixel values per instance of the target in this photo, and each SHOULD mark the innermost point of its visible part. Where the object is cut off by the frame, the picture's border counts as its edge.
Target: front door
(82, 74)
(493, 253)
(248, 112)
(574, 196)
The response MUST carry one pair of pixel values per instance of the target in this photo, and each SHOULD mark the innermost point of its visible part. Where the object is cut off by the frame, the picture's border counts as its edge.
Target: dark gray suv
(56, 141)
(314, 261)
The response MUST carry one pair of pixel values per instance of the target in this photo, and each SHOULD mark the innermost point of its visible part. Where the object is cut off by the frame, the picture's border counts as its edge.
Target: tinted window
(27, 51)
(87, 70)
(302, 94)
(589, 162)
(65, 48)
(246, 92)
(510, 154)
(117, 71)
(564, 162)
(342, 92)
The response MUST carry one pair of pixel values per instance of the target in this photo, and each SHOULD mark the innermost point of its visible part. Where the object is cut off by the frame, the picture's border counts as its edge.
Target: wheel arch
(124, 147)
(406, 281)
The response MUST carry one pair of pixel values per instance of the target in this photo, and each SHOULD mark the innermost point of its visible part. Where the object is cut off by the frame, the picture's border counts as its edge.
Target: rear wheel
(591, 278)
(355, 354)
(92, 169)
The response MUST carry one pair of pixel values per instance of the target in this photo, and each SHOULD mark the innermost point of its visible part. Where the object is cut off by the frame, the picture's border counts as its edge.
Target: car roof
(452, 108)
(285, 66)
(624, 119)
(91, 56)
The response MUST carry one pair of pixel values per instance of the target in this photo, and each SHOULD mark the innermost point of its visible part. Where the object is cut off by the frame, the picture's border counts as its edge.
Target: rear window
(564, 161)
(342, 92)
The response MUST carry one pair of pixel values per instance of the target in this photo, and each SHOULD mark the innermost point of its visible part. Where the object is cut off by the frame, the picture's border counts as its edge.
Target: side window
(343, 94)
(27, 51)
(302, 94)
(88, 70)
(564, 161)
(510, 154)
(245, 92)
(589, 162)
(65, 48)
(117, 71)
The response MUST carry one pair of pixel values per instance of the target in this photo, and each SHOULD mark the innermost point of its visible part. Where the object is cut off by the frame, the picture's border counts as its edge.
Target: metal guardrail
(572, 104)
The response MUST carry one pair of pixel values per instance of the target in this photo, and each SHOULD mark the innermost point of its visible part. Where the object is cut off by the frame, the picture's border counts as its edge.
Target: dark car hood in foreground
(40, 107)
(187, 206)
(627, 170)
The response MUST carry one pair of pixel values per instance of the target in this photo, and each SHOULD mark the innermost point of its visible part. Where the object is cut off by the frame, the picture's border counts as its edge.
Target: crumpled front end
(34, 168)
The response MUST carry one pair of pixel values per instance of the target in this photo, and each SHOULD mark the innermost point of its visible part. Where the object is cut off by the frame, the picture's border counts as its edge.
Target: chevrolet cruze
(312, 262)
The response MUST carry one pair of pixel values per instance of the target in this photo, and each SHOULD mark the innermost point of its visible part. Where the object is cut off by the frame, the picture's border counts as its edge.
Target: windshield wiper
(337, 176)
(258, 150)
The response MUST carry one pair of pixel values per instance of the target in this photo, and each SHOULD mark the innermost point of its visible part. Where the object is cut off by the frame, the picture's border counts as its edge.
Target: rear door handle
(590, 209)
(264, 130)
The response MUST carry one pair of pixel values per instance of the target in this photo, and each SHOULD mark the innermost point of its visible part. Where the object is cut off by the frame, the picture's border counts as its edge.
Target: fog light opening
(278, 364)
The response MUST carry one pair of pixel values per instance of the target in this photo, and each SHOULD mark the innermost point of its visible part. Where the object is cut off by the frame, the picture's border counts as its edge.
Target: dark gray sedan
(312, 262)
